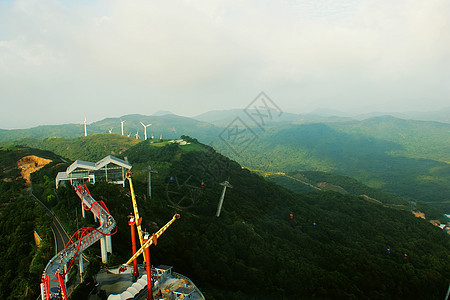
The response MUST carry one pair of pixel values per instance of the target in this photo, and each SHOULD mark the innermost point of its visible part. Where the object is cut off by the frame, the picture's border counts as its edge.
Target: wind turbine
(145, 130)
(137, 135)
(110, 130)
(85, 127)
(121, 125)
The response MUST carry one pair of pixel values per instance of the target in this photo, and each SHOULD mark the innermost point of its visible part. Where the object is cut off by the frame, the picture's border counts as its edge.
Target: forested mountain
(442, 116)
(334, 247)
(308, 181)
(413, 139)
(167, 126)
(404, 157)
(222, 118)
(44, 131)
(21, 261)
(91, 148)
(407, 158)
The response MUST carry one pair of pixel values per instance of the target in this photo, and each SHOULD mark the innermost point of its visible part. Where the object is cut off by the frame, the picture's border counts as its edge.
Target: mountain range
(409, 158)
(268, 242)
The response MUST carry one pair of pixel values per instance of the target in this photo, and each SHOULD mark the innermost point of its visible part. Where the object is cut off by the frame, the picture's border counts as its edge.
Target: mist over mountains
(442, 115)
(224, 117)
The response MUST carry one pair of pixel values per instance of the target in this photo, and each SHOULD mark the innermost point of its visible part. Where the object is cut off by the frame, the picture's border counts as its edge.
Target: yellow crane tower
(149, 240)
(152, 240)
(138, 219)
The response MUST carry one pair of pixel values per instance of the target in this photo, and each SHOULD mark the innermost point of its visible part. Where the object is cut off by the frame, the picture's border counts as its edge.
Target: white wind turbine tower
(145, 130)
(121, 125)
(137, 135)
(110, 130)
(85, 127)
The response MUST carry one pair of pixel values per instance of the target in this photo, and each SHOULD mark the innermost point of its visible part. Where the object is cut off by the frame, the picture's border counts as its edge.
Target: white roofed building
(109, 169)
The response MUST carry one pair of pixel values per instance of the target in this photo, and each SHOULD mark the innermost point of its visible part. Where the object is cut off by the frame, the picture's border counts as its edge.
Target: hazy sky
(63, 60)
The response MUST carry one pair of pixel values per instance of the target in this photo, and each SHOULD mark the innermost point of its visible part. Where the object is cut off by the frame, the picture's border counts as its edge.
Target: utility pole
(225, 185)
(85, 128)
(150, 171)
(76, 216)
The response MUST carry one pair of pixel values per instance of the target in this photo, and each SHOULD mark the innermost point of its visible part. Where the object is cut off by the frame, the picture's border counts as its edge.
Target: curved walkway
(53, 277)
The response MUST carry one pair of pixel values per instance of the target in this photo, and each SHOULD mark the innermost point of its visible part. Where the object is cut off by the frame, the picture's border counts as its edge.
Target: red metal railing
(54, 273)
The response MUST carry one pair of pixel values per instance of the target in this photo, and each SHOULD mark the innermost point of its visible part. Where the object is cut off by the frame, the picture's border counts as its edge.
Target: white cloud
(188, 55)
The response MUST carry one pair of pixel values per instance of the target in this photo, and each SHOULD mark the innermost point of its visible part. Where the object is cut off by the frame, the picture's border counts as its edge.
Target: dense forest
(378, 160)
(308, 181)
(22, 262)
(298, 180)
(408, 158)
(416, 139)
(335, 246)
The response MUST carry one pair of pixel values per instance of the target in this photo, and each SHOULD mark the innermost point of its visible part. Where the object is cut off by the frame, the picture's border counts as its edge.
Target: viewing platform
(166, 284)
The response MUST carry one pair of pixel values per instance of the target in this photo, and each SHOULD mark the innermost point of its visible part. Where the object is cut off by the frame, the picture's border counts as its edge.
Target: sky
(63, 60)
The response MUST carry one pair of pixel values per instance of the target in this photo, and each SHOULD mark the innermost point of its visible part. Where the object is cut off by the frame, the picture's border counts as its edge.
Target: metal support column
(108, 244)
(103, 250)
(80, 263)
(66, 278)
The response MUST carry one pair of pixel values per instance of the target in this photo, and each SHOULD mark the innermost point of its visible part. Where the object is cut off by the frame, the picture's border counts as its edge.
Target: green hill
(20, 260)
(310, 181)
(223, 118)
(168, 126)
(416, 139)
(91, 148)
(404, 157)
(370, 151)
(300, 181)
(40, 132)
(254, 250)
